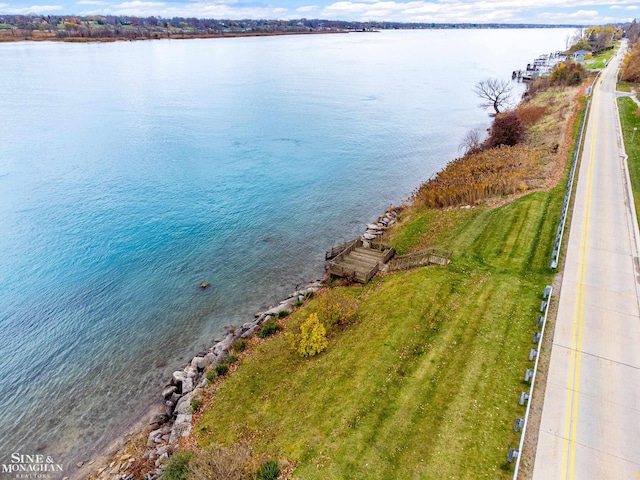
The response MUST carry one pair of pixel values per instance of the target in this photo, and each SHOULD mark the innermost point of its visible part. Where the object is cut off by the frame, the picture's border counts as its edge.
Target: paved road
(590, 427)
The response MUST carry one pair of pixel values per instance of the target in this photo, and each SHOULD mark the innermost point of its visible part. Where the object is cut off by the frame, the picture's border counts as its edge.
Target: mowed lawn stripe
(425, 384)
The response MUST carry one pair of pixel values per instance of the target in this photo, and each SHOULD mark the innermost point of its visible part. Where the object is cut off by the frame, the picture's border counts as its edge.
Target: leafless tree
(497, 93)
(471, 142)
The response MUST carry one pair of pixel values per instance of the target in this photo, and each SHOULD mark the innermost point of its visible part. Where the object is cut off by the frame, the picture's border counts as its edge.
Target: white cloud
(437, 11)
(139, 4)
(198, 9)
(307, 9)
(33, 9)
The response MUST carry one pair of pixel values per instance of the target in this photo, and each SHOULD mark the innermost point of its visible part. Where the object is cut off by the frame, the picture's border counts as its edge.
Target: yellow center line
(571, 413)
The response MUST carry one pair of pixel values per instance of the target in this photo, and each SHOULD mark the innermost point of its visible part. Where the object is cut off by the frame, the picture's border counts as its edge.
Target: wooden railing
(336, 268)
(369, 274)
(354, 275)
(335, 251)
(346, 251)
(431, 256)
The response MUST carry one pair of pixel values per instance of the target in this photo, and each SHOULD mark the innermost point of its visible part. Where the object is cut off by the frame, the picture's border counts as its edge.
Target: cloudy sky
(478, 11)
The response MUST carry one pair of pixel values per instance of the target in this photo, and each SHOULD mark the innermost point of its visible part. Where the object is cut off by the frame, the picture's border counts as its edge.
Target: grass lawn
(426, 384)
(628, 118)
(599, 60)
(624, 87)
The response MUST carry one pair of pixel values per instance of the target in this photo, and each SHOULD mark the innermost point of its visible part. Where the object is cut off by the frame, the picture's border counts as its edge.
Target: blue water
(131, 172)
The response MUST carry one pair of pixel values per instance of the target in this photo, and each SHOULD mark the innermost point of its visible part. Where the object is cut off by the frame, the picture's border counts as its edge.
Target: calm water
(131, 172)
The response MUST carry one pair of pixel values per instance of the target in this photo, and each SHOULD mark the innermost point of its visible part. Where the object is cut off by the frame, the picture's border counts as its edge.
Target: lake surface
(131, 172)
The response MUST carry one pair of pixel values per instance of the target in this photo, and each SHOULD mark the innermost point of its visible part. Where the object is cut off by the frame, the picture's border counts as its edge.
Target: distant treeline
(106, 26)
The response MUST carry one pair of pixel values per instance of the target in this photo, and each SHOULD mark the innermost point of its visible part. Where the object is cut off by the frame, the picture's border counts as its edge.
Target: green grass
(599, 60)
(426, 384)
(624, 87)
(628, 118)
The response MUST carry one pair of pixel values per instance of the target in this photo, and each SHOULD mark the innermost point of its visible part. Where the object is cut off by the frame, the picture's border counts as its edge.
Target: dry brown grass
(529, 114)
(474, 178)
(507, 172)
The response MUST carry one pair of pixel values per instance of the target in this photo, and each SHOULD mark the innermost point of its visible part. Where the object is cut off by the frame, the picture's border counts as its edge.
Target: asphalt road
(590, 426)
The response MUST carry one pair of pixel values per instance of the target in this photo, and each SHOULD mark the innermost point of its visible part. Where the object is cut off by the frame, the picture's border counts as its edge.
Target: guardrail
(555, 255)
(530, 375)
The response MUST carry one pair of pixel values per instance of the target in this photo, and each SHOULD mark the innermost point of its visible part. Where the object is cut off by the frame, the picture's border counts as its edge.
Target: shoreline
(177, 36)
(168, 419)
(138, 425)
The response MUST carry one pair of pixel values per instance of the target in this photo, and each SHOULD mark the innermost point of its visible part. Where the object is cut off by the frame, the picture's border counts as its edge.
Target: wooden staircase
(360, 263)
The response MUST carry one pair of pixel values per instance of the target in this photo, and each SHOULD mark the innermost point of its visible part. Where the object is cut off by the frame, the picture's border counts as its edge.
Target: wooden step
(355, 264)
(370, 253)
(364, 258)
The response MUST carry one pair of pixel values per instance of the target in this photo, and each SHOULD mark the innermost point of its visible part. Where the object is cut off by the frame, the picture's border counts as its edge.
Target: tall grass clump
(178, 466)
(477, 177)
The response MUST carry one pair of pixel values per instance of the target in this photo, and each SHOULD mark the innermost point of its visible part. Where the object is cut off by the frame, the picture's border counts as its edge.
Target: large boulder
(280, 308)
(170, 390)
(184, 404)
(181, 428)
(199, 363)
(187, 385)
(178, 377)
(209, 358)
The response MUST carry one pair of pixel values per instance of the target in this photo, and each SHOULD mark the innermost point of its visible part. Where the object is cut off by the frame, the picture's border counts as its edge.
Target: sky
(583, 12)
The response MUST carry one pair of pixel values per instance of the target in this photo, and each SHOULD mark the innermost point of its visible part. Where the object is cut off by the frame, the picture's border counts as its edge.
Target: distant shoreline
(52, 37)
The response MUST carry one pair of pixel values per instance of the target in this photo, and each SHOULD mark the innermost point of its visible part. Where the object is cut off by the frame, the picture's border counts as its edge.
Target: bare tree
(497, 93)
(471, 142)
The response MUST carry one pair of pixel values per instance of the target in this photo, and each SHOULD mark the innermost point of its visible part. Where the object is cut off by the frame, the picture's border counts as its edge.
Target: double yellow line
(571, 414)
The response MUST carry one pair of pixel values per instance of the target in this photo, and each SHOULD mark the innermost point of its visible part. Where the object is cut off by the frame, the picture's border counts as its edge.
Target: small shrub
(211, 375)
(233, 358)
(239, 345)
(568, 73)
(178, 466)
(196, 404)
(269, 470)
(335, 308)
(235, 462)
(309, 294)
(471, 142)
(507, 129)
(299, 303)
(222, 369)
(283, 313)
(312, 338)
(540, 84)
(269, 328)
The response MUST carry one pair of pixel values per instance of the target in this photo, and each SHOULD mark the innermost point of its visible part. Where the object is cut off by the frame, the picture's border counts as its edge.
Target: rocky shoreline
(174, 423)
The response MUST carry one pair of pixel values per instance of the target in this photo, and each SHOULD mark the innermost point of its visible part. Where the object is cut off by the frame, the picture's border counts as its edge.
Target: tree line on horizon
(140, 27)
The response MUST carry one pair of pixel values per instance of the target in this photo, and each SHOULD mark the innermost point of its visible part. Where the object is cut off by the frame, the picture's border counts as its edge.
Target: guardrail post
(518, 425)
(530, 374)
